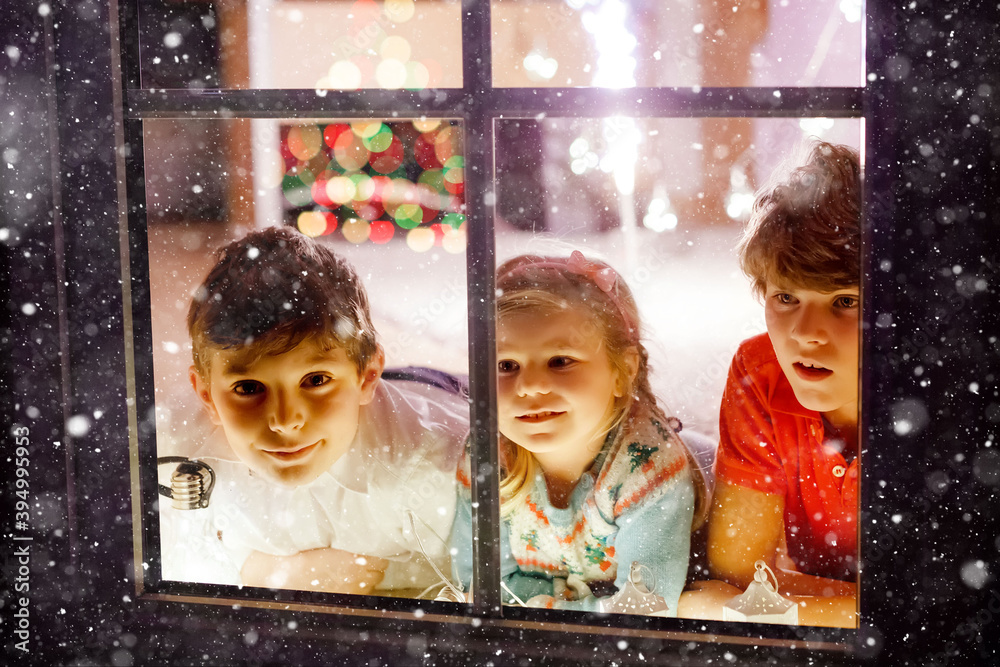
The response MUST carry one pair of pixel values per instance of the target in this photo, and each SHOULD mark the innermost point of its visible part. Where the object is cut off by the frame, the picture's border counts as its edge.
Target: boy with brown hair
(787, 466)
(329, 477)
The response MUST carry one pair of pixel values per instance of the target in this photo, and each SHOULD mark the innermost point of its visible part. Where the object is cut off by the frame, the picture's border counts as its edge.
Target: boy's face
(815, 337)
(288, 416)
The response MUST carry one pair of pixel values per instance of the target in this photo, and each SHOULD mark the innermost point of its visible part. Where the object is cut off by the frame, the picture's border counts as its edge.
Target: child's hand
(705, 599)
(329, 570)
(541, 602)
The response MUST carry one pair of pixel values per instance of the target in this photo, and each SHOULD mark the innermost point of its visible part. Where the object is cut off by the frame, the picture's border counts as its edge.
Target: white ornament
(635, 597)
(760, 603)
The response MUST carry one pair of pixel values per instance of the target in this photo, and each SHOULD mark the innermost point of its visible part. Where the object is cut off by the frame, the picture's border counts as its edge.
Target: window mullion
(477, 81)
(480, 189)
(287, 103)
(757, 102)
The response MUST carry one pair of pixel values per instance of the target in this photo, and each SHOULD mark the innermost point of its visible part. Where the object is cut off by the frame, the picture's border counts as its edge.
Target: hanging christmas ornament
(761, 603)
(636, 597)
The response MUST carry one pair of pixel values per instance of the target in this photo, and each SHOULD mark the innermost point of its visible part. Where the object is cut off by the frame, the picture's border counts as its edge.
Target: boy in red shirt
(787, 466)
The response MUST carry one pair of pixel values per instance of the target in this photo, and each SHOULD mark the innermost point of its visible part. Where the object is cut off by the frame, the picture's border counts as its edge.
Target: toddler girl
(593, 475)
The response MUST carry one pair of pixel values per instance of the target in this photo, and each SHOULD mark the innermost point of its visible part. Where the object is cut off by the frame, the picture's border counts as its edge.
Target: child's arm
(524, 586)
(328, 570)
(658, 535)
(705, 600)
(743, 527)
(746, 526)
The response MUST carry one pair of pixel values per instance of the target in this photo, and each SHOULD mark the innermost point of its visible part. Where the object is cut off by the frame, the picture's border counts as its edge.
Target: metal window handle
(191, 483)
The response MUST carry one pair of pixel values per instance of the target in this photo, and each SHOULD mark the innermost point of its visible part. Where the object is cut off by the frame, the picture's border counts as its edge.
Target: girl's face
(556, 384)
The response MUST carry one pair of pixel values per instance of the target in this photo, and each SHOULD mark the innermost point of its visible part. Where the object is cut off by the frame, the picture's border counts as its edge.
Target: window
(929, 489)
(429, 141)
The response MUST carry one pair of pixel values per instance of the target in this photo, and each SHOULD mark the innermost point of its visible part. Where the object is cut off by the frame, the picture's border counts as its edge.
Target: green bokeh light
(454, 220)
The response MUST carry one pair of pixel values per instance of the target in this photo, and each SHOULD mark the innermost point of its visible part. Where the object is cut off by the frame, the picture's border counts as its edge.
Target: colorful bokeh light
(379, 140)
(447, 143)
(454, 240)
(400, 11)
(420, 239)
(389, 159)
(395, 47)
(340, 189)
(332, 131)
(297, 187)
(408, 216)
(424, 153)
(364, 187)
(355, 230)
(369, 179)
(343, 75)
(418, 76)
(311, 223)
(366, 129)
(453, 220)
(425, 125)
(381, 231)
(391, 74)
(454, 174)
(320, 194)
(385, 57)
(350, 151)
(317, 223)
(304, 141)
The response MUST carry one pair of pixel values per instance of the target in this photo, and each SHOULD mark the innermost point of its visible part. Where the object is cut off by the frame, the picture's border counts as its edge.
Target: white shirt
(391, 495)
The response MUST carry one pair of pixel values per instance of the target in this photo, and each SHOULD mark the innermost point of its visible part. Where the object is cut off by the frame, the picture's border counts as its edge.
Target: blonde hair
(548, 284)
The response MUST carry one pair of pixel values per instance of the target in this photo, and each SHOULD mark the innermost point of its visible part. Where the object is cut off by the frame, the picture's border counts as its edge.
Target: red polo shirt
(770, 443)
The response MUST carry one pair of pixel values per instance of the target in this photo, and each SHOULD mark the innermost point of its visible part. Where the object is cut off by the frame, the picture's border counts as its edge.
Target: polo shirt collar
(783, 400)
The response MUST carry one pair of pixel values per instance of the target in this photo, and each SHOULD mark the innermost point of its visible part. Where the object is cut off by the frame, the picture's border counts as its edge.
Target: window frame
(478, 105)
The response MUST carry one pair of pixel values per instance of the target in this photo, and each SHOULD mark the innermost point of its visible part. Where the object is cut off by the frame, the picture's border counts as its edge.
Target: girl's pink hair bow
(602, 275)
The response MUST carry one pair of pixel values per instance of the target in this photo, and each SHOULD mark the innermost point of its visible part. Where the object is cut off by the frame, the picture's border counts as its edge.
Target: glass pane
(663, 202)
(618, 44)
(327, 476)
(304, 44)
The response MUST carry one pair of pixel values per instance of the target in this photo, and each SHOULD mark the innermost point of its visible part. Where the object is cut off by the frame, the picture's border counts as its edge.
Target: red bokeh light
(369, 210)
(320, 196)
(331, 132)
(424, 152)
(331, 222)
(438, 233)
(381, 231)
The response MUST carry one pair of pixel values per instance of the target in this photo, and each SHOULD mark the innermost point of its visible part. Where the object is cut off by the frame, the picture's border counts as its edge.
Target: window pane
(334, 44)
(663, 202)
(618, 44)
(308, 449)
